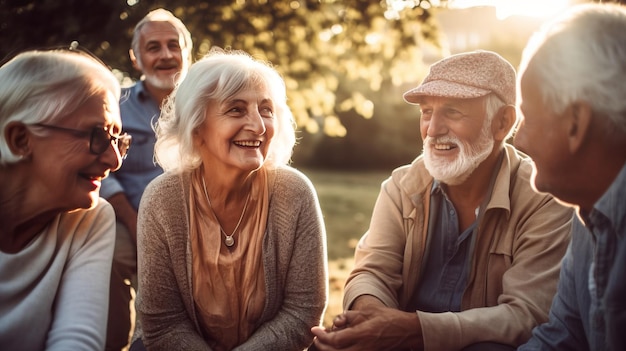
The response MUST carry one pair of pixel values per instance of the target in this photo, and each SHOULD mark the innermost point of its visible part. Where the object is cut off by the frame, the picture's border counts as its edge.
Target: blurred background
(346, 64)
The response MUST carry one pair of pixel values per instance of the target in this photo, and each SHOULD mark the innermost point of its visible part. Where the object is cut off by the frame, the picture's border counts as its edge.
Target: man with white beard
(161, 50)
(461, 253)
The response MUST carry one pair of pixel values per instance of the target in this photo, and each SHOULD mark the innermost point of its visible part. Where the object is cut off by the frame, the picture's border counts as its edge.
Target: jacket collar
(417, 181)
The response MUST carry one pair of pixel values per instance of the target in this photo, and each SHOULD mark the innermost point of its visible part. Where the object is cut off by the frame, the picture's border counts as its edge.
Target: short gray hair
(45, 86)
(162, 15)
(581, 56)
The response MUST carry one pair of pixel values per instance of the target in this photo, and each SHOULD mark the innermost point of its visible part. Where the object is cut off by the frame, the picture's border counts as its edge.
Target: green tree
(314, 43)
(337, 56)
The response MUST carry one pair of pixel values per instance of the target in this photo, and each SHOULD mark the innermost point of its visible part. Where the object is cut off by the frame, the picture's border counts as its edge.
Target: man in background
(460, 251)
(573, 101)
(161, 50)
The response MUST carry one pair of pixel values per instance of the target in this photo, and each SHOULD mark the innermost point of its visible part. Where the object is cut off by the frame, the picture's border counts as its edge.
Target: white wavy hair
(213, 79)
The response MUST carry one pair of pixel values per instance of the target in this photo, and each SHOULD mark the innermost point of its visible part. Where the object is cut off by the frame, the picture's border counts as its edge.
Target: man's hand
(371, 328)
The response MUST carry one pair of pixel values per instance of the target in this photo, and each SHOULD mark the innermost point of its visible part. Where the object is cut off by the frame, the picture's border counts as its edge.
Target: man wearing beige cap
(461, 253)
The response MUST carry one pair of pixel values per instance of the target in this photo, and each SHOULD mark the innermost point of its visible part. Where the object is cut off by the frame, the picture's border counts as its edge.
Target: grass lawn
(347, 200)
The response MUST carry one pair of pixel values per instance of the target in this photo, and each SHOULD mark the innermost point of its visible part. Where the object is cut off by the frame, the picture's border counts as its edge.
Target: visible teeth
(442, 147)
(251, 143)
(92, 177)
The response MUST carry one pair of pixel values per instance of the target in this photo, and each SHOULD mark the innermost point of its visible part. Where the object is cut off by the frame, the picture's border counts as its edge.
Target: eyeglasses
(99, 138)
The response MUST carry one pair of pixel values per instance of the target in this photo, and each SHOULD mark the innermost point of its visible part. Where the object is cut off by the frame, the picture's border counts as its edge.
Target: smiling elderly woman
(59, 121)
(231, 240)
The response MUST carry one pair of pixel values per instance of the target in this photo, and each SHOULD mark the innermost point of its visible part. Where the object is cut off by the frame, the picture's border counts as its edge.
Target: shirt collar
(499, 194)
(141, 91)
(436, 188)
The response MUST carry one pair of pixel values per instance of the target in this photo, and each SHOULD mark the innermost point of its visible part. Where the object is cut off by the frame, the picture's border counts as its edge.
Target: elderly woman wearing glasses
(59, 137)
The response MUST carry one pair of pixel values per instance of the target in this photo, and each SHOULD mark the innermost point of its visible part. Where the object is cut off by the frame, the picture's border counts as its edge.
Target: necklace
(228, 239)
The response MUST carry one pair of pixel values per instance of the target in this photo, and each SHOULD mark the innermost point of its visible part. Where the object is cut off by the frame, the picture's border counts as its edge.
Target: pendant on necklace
(229, 241)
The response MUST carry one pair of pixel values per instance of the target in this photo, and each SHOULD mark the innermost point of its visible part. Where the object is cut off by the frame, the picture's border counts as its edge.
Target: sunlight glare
(506, 8)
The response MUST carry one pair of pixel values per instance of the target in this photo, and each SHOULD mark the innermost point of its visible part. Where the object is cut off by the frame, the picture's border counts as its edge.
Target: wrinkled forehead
(160, 31)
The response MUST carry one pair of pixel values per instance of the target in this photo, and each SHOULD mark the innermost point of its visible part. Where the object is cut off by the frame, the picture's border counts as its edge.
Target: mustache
(441, 140)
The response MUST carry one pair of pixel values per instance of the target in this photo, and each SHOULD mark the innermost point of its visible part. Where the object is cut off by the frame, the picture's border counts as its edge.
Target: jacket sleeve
(379, 254)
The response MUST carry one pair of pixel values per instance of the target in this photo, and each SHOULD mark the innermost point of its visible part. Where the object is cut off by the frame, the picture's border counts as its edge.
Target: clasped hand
(372, 328)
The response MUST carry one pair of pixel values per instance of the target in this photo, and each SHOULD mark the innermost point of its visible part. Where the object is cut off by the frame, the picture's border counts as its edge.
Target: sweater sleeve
(162, 269)
(81, 305)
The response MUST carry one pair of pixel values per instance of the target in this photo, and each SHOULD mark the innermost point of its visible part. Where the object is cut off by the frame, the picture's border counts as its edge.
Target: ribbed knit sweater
(294, 263)
(54, 293)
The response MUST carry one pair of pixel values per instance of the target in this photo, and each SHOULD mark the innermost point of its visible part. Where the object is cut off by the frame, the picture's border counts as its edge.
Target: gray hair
(493, 104)
(162, 15)
(581, 56)
(213, 79)
(45, 86)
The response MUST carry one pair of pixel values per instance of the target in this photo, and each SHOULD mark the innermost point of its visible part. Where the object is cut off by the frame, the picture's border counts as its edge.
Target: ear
(503, 121)
(18, 138)
(197, 139)
(133, 59)
(578, 119)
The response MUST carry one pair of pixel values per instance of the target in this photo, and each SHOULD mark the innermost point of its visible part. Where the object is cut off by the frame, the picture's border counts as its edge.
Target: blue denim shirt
(139, 112)
(588, 311)
(446, 269)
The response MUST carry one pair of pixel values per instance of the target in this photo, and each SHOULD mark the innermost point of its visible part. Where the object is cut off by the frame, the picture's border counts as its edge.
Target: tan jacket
(515, 261)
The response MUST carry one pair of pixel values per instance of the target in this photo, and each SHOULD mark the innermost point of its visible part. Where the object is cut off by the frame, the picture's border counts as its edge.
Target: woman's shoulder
(286, 177)
(170, 182)
(168, 178)
(88, 226)
(166, 191)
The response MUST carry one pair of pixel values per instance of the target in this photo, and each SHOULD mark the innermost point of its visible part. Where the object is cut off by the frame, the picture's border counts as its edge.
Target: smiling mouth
(444, 146)
(173, 68)
(248, 143)
(94, 177)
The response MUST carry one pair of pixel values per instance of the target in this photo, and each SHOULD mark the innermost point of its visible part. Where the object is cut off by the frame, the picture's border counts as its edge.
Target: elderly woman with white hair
(231, 240)
(60, 125)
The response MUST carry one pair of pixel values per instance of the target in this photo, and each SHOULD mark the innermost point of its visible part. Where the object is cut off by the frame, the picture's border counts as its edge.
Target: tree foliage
(316, 44)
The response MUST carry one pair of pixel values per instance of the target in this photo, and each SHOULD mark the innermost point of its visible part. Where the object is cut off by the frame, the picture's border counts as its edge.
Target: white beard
(468, 159)
(165, 83)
